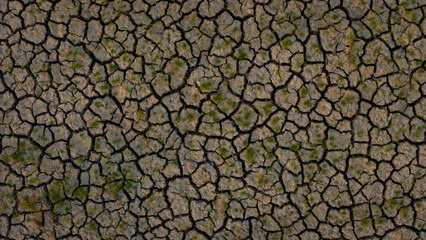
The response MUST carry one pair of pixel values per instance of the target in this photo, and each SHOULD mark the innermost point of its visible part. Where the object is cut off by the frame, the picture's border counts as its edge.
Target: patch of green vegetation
(247, 114)
(97, 104)
(105, 87)
(80, 193)
(139, 114)
(206, 85)
(97, 146)
(112, 67)
(213, 115)
(232, 104)
(113, 188)
(365, 222)
(56, 191)
(222, 152)
(245, 124)
(280, 20)
(267, 109)
(286, 43)
(296, 147)
(189, 117)
(75, 66)
(19, 156)
(270, 38)
(269, 155)
(404, 212)
(218, 97)
(241, 55)
(176, 119)
(178, 63)
(228, 43)
(250, 154)
(351, 38)
(275, 120)
(303, 92)
(94, 125)
(93, 226)
(307, 103)
(314, 155)
(347, 99)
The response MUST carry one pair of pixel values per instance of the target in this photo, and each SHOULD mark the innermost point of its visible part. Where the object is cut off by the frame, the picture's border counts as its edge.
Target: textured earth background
(217, 119)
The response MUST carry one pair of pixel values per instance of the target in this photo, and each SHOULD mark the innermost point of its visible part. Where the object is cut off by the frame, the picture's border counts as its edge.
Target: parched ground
(212, 119)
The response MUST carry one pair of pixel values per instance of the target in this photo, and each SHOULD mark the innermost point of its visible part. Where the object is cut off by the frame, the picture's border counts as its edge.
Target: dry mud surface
(218, 119)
